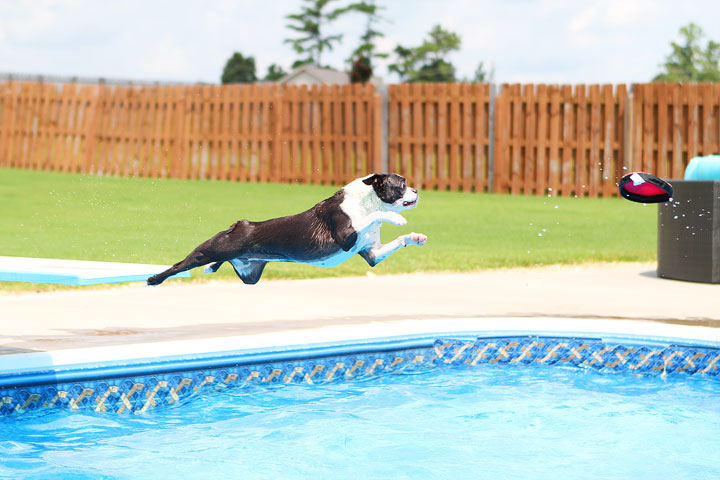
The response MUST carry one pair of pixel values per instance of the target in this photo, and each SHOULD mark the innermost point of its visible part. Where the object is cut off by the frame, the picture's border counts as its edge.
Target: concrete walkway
(139, 314)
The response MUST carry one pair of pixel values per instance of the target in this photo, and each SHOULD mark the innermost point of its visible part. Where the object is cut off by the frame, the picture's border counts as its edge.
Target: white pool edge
(642, 331)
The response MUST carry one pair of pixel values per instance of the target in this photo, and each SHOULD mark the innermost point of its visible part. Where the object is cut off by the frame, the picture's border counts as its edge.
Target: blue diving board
(76, 272)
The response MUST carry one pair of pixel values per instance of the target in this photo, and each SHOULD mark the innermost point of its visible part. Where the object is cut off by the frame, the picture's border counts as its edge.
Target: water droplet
(675, 217)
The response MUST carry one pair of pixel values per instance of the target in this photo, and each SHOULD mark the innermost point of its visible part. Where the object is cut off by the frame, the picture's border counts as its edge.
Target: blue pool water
(482, 422)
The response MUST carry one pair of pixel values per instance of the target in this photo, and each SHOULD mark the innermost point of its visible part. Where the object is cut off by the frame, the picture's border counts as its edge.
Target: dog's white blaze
(409, 197)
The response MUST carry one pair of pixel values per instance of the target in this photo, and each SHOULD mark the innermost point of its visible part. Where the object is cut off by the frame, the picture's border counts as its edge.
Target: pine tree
(361, 59)
(310, 24)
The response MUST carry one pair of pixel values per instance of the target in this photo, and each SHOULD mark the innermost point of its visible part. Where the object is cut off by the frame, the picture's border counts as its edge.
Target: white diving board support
(76, 272)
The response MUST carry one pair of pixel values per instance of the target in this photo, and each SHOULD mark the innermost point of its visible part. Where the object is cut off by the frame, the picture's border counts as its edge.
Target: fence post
(277, 173)
(179, 148)
(384, 161)
(379, 143)
(628, 132)
(6, 120)
(95, 105)
(491, 137)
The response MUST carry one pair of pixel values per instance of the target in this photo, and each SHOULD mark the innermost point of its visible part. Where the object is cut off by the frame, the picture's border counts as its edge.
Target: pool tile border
(137, 389)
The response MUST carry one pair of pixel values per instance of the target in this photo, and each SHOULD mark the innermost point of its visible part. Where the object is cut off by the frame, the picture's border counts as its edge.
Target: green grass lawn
(55, 215)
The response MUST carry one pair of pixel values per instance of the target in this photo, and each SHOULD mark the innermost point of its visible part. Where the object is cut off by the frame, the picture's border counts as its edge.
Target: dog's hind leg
(195, 259)
(248, 271)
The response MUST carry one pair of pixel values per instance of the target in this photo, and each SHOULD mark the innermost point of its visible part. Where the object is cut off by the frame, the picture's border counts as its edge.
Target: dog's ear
(374, 179)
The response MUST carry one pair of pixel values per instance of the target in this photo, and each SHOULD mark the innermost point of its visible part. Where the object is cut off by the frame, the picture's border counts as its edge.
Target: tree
(239, 69)
(310, 23)
(482, 75)
(361, 59)
(428, 62)
(689, 62)
(361, 70)
(275, 72)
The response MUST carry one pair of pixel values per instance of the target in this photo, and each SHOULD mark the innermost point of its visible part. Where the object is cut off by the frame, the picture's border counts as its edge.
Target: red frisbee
(645, 187)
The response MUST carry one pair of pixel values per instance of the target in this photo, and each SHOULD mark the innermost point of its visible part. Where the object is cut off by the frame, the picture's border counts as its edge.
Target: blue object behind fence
(703, 168)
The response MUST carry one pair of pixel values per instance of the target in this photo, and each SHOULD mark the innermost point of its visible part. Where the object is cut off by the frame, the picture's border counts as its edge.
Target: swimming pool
(505, 403)
(526, 421)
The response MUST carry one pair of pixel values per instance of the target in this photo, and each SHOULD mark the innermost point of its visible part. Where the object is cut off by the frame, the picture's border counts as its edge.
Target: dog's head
(393, 191)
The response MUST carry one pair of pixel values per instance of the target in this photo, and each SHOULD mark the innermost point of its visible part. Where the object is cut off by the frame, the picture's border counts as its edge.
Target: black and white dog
(332, 231)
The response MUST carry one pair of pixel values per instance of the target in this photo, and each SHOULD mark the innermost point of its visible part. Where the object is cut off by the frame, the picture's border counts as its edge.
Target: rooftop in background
(311, 75)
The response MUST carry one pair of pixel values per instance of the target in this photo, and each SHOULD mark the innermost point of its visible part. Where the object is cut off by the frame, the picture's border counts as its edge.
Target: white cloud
(583, 20)
(166, 60)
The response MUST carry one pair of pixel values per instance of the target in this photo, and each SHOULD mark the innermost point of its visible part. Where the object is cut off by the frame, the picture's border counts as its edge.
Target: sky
(526, 41)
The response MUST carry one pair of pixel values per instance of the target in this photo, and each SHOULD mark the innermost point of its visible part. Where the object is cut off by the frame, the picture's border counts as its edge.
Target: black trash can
(689, 232)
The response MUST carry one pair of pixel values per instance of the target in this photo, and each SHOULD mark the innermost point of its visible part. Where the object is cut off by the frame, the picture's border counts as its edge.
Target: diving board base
(76, 272)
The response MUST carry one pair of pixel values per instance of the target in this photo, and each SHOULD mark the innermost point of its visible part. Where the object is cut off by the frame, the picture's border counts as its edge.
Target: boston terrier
(332, 231)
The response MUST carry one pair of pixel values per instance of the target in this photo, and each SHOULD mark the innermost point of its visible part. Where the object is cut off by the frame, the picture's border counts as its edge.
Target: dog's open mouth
(409, 204)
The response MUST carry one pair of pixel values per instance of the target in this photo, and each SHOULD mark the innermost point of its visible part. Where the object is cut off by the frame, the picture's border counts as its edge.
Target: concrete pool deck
(176, 312)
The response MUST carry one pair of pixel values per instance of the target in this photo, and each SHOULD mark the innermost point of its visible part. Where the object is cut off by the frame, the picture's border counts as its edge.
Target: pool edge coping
(338, 339)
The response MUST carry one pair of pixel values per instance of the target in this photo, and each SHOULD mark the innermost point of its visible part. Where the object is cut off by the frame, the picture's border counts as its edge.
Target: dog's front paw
(413, 238)
(395, 219)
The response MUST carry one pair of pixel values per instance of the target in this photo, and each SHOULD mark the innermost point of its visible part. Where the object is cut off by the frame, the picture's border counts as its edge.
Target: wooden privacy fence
(671, 124)
(560, 139)
(531, 139)
(261, 133)
(538, 139)
(439, 134)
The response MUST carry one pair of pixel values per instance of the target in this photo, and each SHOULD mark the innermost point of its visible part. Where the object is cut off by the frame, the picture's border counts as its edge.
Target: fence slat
(609, 172)
(530, 170)
(567, 164)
